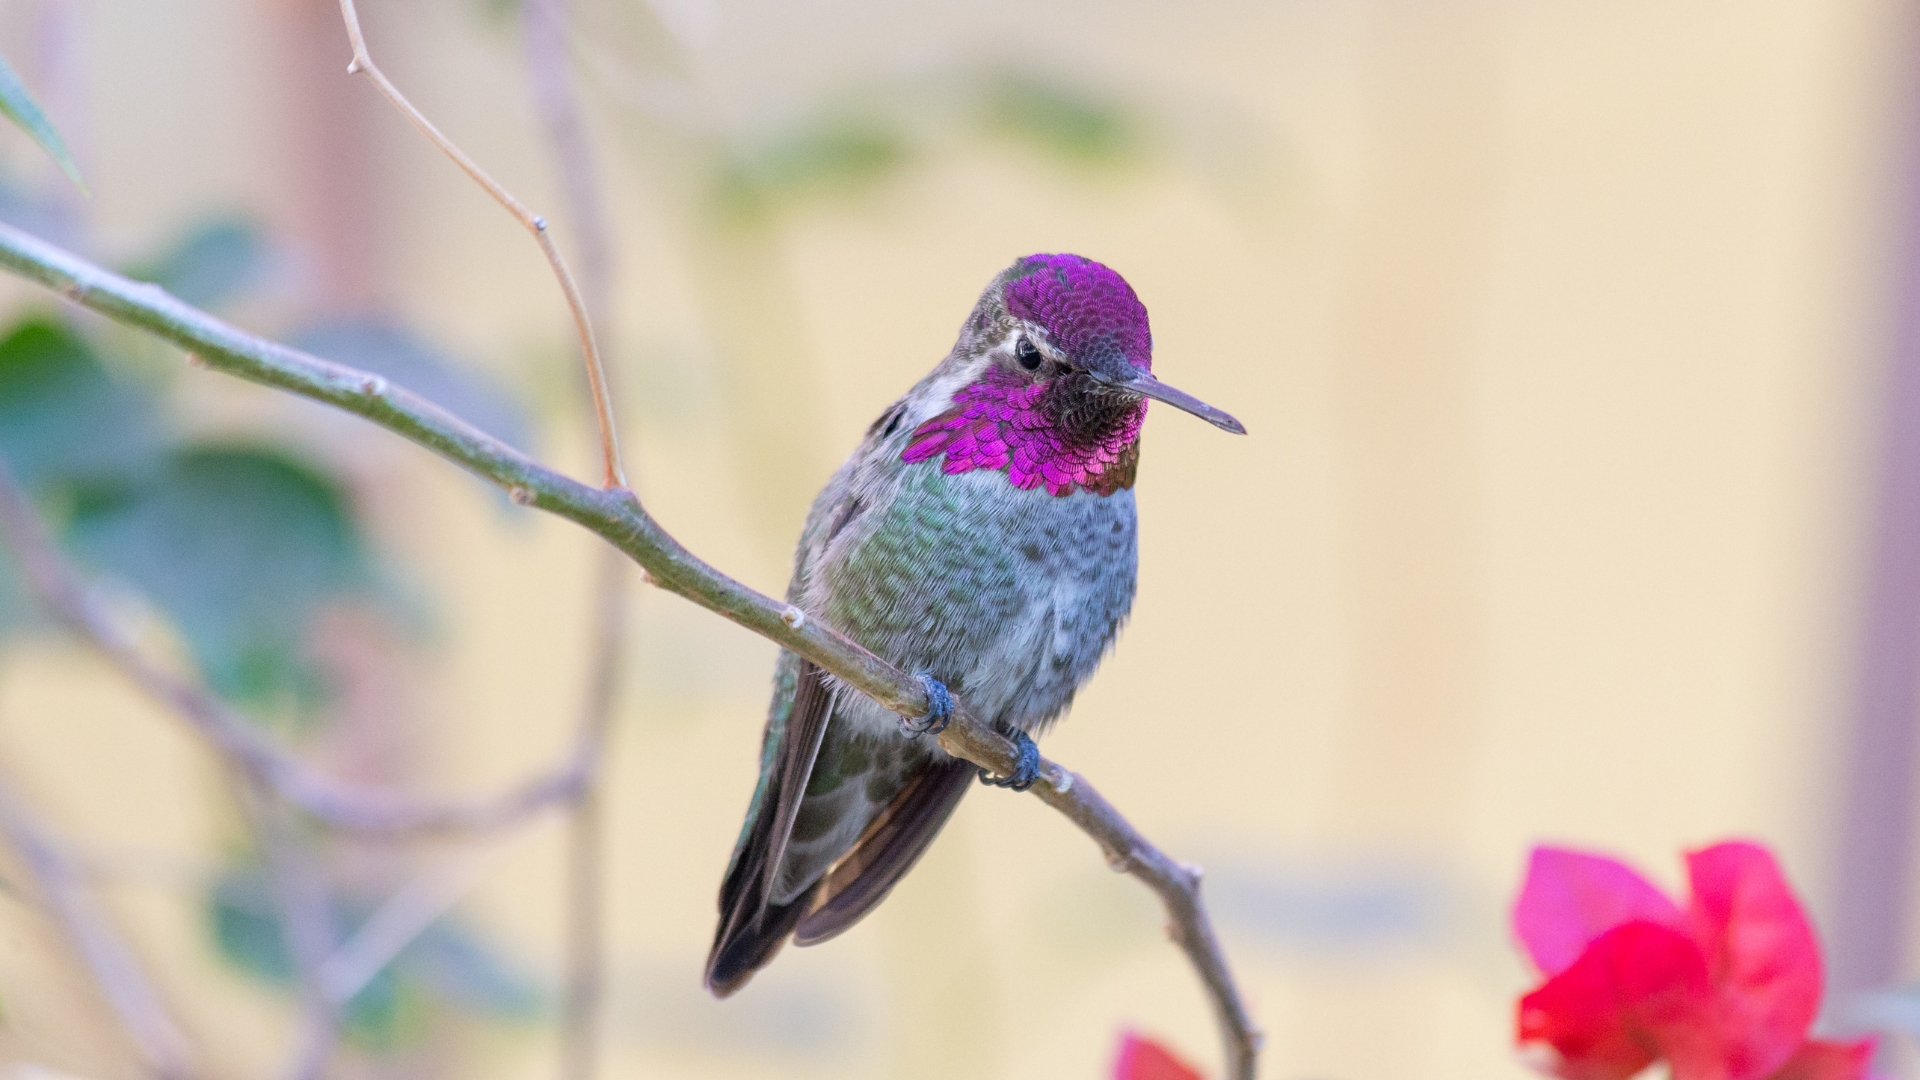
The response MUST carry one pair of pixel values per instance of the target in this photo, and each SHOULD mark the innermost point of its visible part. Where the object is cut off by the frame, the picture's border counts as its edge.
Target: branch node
(374, 386)
(539, 223)
(1119, 861)
(793, 617)
(354, 66)
(520, 496)
(195, 360)
(1062, 779)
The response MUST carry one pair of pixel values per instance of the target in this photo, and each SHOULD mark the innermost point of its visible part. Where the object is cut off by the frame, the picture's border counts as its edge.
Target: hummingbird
(983, 537)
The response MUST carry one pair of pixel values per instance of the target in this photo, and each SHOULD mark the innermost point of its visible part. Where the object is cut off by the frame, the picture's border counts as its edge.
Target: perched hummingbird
(983, 537)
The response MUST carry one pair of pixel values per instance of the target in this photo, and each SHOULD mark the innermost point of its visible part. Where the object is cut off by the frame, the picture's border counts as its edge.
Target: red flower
(1143, 1059)
(1723, 990)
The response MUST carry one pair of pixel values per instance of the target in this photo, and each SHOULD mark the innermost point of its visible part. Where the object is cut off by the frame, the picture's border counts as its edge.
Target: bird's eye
(1029, 354)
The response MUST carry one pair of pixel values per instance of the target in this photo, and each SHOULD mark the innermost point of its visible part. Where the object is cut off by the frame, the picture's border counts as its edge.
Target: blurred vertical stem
(299, 892)
(544, 30)
(586, 837)
(1873, 876)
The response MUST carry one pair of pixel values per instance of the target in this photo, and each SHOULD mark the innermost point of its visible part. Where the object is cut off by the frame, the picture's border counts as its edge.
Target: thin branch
(615, 473)
(617, 516)
(375, 814)
(115, 971)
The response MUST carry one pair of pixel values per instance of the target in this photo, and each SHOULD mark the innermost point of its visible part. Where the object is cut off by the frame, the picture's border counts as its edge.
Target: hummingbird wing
(753, 925)
(888, 806)
(886, 850)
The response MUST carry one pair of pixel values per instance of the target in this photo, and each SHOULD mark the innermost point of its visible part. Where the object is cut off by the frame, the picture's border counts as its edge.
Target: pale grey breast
(1009, 597)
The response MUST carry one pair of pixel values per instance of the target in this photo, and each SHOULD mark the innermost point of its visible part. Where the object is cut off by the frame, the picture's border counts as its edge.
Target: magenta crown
(1005, 421)
(1084, 307)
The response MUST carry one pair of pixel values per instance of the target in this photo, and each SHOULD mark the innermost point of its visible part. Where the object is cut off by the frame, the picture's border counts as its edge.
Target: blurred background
(1582, 504)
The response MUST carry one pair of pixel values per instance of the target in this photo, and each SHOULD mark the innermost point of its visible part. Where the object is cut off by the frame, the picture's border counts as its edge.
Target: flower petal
(1143, 1059)
(1761, 954)
(1571, 898)
(1818, 1059)
(1638, 993)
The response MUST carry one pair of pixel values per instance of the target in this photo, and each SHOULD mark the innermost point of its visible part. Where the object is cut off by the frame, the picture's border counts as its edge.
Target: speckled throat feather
(1049, 434)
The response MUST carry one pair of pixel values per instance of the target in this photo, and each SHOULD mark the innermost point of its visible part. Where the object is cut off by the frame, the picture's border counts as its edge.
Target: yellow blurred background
(1558, 327)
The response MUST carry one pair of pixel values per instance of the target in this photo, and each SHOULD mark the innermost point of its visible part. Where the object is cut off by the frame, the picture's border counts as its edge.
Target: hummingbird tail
(747, 943)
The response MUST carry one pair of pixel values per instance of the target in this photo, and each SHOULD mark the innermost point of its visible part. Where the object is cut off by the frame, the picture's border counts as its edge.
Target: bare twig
(544, 27)
(115, 971)
(615, 473)
(617, 516)
(367, 812)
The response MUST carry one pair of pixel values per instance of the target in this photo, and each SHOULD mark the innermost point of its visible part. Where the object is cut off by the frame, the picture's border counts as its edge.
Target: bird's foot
(1024, 773)
(939, 710)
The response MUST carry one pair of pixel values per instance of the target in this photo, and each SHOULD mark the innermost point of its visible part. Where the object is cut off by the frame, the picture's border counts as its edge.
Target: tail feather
(745, 945)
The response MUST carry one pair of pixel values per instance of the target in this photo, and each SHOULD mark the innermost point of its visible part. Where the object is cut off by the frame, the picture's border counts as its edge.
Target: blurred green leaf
(835, 158)
(1060, 119)
(25, 112)
(213, 262)
(387, 348)
(460, 966)
(15, 612)
(62, 417)
(448, 964)
(240, 546)
(246, 929)
(247, 933)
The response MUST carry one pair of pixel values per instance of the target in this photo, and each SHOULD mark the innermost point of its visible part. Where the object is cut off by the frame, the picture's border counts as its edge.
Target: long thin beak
(1144, 384)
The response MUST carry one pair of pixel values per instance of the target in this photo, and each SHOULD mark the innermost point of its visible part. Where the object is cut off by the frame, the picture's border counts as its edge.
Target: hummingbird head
(1053, 372)
(1077, 321)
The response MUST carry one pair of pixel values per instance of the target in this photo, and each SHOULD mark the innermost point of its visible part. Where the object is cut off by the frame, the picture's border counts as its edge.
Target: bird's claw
(1025, 772)
(939, 710)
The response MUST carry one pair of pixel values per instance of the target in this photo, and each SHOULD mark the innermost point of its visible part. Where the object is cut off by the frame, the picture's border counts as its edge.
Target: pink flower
(1143, 1059)
(1722, 990)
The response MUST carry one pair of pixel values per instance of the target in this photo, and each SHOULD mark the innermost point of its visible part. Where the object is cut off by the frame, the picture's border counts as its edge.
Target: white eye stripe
(1029, 333)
